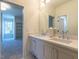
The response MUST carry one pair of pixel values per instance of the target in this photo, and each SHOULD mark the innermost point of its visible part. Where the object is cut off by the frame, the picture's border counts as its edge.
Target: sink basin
(62, 40)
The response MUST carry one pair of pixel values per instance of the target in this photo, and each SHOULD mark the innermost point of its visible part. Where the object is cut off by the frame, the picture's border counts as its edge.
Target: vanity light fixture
(5, 6)
(42, 3)
(42, 0)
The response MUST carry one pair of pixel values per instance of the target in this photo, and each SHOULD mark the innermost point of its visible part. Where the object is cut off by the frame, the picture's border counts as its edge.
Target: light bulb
(42, 5)
(5, 6)
(47, 1)
(42, 0)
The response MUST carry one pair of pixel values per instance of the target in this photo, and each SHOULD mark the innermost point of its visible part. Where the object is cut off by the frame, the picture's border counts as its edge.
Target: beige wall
(70, 9)
(31, 21)
(45, 11)
(31, 16)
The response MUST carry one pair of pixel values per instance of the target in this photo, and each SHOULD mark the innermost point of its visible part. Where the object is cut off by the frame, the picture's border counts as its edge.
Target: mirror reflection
(50, 21)
(62, 23)
(59, 15)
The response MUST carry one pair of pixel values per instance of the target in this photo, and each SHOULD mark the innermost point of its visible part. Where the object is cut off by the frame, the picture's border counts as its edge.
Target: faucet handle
(63, 32)
(68, 35)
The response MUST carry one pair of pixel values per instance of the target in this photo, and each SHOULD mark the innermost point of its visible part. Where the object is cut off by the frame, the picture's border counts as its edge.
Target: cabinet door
(33, 47)
(75, 55)
(49, 52)
(65, 54)
(39, 49)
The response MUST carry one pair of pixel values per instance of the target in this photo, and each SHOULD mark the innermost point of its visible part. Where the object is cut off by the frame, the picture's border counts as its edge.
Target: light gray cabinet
(45, 50)
(75, 55)
(49, 51)
(33, 46)
(39, 49)
(65, 54)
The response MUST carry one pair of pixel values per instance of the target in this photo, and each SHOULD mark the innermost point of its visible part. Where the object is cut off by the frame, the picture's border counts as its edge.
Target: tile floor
(11, 49)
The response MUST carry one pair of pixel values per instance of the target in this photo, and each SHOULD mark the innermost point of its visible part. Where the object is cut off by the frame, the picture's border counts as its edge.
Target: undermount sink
(62, 40)
(67, 41)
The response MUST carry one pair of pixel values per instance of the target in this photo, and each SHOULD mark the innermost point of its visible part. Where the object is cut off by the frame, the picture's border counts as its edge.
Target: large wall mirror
(52, 11)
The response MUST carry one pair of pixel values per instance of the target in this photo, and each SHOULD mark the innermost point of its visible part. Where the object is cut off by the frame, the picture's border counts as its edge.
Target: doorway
(12, 31)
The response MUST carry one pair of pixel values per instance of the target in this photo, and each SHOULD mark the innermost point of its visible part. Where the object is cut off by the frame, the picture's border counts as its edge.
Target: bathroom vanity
(44, 47)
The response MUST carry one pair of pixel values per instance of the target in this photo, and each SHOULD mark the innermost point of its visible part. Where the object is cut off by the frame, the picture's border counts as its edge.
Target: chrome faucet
(68, 36)
(65, 36)
(62, 35)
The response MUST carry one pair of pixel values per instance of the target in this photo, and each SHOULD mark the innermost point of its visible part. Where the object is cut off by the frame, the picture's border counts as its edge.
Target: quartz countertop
(73, 45)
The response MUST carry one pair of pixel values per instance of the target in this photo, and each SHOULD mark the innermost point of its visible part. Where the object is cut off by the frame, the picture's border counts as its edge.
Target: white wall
(70, 9)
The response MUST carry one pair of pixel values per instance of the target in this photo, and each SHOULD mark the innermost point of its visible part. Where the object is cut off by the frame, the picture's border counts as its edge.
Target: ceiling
(14, 10)
(55, 3)
(17, 10)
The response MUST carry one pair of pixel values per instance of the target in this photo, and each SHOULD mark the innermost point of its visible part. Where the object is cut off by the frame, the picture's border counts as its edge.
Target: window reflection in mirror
(50, 21)
(63, 23)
